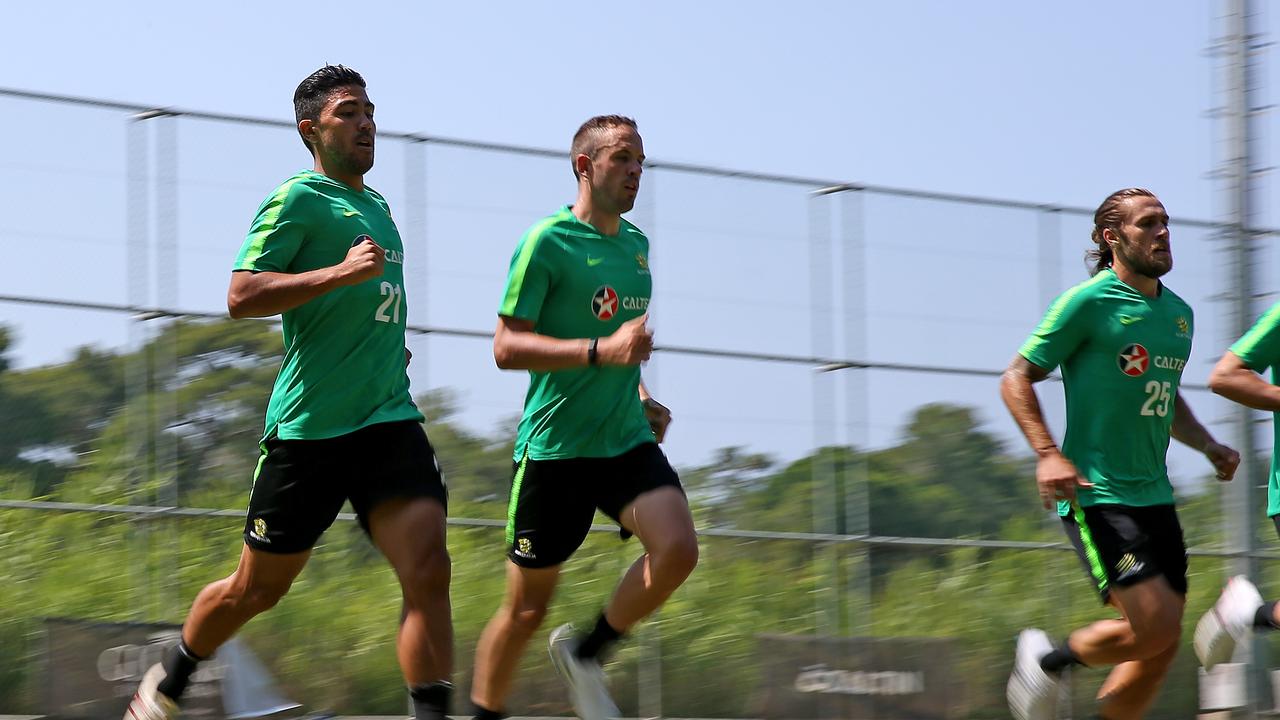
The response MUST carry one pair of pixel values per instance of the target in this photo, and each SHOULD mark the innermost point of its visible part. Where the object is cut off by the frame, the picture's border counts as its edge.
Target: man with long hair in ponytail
(1122, 339)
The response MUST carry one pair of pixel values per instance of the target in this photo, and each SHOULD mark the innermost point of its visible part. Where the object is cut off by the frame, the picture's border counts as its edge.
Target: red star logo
(1133, 360)
(604, 303)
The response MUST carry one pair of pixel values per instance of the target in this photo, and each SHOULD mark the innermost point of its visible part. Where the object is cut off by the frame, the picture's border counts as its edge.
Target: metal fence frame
(827, 233)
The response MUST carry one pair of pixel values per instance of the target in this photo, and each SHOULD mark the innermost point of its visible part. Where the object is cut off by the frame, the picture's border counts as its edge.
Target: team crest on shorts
(1133, 360)
(604, 304)
(524, 548)
(259, 530)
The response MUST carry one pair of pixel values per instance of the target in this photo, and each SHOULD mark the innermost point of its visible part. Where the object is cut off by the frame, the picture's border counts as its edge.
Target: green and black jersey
(1122, 355)
(572, 281)
(1259, 349)
(344, 359)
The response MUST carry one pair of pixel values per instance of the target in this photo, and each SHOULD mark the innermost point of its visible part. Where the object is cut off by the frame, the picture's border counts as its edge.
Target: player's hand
(408, 356)
(1224, 459)
(659, 417)
(1057, 479)
(364, 261)
(631, 344)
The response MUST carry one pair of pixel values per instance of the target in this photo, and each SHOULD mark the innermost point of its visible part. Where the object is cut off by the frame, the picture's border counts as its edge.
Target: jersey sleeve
(277, 232)
(1063, 329)
(530, 276)
(1259, 349)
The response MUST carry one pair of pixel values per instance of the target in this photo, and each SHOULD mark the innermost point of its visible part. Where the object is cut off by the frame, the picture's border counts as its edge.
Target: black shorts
(1122, 545)
(300, 485)
(554, 501)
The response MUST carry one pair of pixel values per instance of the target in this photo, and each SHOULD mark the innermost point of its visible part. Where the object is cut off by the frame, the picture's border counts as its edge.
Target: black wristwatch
(592, 351)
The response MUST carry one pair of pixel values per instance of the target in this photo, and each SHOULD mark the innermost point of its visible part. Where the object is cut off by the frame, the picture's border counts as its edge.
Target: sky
(1055, 103)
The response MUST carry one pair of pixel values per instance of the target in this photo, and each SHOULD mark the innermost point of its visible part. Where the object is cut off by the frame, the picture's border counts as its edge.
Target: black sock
(601, 636)
(179, 665)
(1265, 618)
(1059, 659)
(431, 701)
(484, 713)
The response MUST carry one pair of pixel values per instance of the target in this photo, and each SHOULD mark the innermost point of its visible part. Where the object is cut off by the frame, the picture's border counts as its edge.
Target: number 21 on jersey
(394, 295)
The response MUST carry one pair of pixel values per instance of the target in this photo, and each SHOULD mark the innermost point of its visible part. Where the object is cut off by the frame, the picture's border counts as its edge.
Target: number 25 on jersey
(1158, 398)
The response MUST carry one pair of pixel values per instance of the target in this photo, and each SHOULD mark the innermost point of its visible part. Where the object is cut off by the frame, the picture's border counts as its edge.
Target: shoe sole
(562, 669)
(1213, 643)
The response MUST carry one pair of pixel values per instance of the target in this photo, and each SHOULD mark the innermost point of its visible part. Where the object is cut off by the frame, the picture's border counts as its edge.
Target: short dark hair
(1110, 215)
(587, 140)
(314, 91)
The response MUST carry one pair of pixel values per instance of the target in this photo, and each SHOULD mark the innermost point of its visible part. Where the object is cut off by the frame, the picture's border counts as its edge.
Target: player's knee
(677, 559)
(526, 618)
(428, 577)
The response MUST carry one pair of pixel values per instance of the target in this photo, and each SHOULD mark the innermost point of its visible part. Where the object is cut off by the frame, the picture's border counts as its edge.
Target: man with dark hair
(324, 253)
(574, 316)
(1122, 339)
(1240, 609)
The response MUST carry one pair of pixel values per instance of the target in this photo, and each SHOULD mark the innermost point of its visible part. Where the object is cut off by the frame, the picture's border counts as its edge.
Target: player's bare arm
(262, 294)
(516, 346)
(1188, 431)
(658, 415)
(1056, 477)
(1235, 381)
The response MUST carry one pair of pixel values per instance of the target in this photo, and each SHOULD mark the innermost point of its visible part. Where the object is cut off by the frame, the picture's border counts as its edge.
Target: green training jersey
(572, 281)
(1122, 355)
(1259, 349)
(344, 359)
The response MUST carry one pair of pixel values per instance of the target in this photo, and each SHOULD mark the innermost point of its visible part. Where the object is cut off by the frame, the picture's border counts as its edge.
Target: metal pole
(827, 617)
(857, 501)
(413, 235)
(649, 636)
(165, 387)
(1241, 170)
(136, 453)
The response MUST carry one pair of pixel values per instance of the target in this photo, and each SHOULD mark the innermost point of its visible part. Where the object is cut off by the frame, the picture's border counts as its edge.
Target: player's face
(345, 131)
(1143, 241)
(616, 170)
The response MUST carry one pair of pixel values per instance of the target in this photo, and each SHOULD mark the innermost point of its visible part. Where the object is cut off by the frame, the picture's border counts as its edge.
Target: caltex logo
(604, 304)
(1133, 360)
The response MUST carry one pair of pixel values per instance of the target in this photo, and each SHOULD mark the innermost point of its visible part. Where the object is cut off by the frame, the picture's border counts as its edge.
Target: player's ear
(582, 164)
(307, 128)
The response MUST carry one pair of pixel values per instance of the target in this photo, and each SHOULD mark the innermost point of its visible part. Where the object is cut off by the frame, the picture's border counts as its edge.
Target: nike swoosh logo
(350, 213)
(1129, 319)
(592, 262)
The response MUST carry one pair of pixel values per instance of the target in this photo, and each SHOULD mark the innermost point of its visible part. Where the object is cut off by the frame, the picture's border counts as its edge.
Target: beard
(1149, 266)
(350, 162)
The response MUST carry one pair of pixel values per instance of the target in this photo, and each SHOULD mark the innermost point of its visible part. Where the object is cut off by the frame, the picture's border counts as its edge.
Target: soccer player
(324, 253)
(1240, 608)
(574, 316)
(1122, 339)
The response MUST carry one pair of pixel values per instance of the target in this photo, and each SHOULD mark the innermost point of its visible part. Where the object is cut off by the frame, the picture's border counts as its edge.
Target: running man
(1122, 340)
(324, 253)
(1240, 609)
(574, 316)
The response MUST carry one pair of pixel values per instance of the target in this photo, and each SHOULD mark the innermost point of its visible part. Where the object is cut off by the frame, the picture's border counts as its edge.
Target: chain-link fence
(830, 351)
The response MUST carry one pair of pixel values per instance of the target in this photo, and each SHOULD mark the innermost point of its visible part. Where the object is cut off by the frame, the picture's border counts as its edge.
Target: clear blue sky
(1056, 103)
